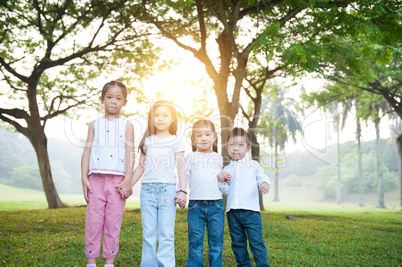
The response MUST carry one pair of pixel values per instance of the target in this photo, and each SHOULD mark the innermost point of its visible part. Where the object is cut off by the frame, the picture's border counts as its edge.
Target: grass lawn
(320, 235)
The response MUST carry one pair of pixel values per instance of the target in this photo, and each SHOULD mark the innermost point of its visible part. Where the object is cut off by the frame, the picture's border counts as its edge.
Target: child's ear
(100, 99)
(125, 102)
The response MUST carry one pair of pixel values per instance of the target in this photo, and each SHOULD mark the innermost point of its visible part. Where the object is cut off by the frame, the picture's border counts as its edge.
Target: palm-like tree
(278, 124)
(371, 109)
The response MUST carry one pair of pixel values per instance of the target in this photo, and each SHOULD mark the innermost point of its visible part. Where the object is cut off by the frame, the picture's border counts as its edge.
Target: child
(106, 161)
(242, 176)
(205, 206)
(160, 150)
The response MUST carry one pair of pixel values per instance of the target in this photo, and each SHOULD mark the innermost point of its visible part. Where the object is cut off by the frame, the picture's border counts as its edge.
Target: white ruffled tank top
(108, 152)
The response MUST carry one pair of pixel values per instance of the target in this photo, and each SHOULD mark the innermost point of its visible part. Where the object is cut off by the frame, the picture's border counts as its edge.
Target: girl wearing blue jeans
(205, 207)
(161, 151)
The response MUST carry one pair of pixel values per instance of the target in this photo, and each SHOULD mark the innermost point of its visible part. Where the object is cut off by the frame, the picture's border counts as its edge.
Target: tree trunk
(360, 168)
(36, 135)
(380, 188)
(338, 180)
(227, 122)
(52, 197)
(255, 154)
(276, 193)
(399, 144)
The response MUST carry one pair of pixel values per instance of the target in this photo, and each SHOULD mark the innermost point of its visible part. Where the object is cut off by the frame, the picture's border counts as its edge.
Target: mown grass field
(317, 237)
(320, 235)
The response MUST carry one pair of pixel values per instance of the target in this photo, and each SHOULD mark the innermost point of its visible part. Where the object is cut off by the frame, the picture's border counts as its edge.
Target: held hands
(125, 189)
(264, 188)
(86, 186)
(181, 198)
(224, 177)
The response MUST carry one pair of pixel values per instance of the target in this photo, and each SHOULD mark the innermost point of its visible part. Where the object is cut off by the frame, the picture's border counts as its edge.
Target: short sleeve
(189, 164)
(179, 146)
(147, 142)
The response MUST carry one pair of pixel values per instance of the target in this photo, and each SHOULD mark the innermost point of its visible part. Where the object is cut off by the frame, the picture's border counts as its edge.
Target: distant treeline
(18, 165)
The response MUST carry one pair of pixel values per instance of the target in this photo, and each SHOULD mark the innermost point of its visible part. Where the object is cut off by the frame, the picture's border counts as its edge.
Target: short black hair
(238, 131)
(114, 83)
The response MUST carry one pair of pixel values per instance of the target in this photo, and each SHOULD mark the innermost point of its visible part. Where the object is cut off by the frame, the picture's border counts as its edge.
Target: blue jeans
(158, 213)
(211, 214)
(245, 224)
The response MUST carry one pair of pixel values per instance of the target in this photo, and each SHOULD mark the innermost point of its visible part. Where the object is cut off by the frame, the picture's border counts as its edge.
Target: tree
(224, 35)
(257, 81)
(366, 59)
(50, 50)
(280, 123)
(372, 109)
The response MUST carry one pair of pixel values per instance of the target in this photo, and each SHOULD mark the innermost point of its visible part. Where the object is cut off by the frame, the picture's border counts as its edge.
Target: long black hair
(151, 128)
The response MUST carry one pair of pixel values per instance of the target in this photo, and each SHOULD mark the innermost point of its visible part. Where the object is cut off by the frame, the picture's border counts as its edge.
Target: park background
(302, 76)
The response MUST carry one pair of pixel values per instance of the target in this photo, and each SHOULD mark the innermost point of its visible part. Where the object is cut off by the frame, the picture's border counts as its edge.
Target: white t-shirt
(242, 190)
(160, 161)
(201, 171)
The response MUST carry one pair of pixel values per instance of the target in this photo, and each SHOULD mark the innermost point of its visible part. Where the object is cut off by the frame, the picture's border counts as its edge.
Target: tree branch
(18, 114)
(245, 114)
(12, 71)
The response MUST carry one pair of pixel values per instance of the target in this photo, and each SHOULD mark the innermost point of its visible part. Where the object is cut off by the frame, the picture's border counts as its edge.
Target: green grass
(319, 236)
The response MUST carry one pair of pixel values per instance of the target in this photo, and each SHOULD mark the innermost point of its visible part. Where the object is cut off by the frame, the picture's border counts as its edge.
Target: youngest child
(241, 178)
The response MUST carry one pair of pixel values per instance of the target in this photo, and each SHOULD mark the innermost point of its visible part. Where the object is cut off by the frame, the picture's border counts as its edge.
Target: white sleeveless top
(108, 152)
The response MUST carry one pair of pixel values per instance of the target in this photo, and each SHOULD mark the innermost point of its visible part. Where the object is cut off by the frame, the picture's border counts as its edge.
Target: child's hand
(264, 188)
(86, 186)
(125, 188)
(181, 199)
(126, 193)
(224, 177)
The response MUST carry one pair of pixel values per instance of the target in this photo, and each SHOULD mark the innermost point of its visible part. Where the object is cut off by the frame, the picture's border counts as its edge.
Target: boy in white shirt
(241, 178)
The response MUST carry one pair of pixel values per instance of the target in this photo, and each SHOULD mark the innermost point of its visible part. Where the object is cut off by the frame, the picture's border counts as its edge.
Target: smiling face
(237, 147)
(203, 138)
(162, 119)
(113, 100)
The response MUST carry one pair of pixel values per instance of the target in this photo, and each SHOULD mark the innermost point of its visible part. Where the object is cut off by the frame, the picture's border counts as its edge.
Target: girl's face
(162, 119)
(114, 100)
(204, 138)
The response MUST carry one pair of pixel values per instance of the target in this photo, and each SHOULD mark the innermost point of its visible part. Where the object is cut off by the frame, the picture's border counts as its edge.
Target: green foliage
(363, 59)
(327, 176)
(26, 177)
(344, 237)
(18, 157)
(293, 181)
(279, 119)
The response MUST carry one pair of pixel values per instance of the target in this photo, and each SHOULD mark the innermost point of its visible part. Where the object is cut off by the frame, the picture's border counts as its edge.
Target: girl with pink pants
(107, 164)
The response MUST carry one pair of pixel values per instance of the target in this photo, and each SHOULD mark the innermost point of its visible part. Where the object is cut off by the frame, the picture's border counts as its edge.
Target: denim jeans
(158, 212)
(245, 224)
(211, 214)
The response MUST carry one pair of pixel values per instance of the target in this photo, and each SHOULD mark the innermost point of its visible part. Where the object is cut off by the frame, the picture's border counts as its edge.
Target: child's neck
(111, 116)
(238, 159)
(204, 151)
(163, 133)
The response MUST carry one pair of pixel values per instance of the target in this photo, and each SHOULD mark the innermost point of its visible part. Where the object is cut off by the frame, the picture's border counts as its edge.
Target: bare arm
(130, 159)
(86, 154)
(137, 174)
(181, 197)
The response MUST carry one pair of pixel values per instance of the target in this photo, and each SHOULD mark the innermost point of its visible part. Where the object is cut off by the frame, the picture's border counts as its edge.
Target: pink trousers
(104, 215)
